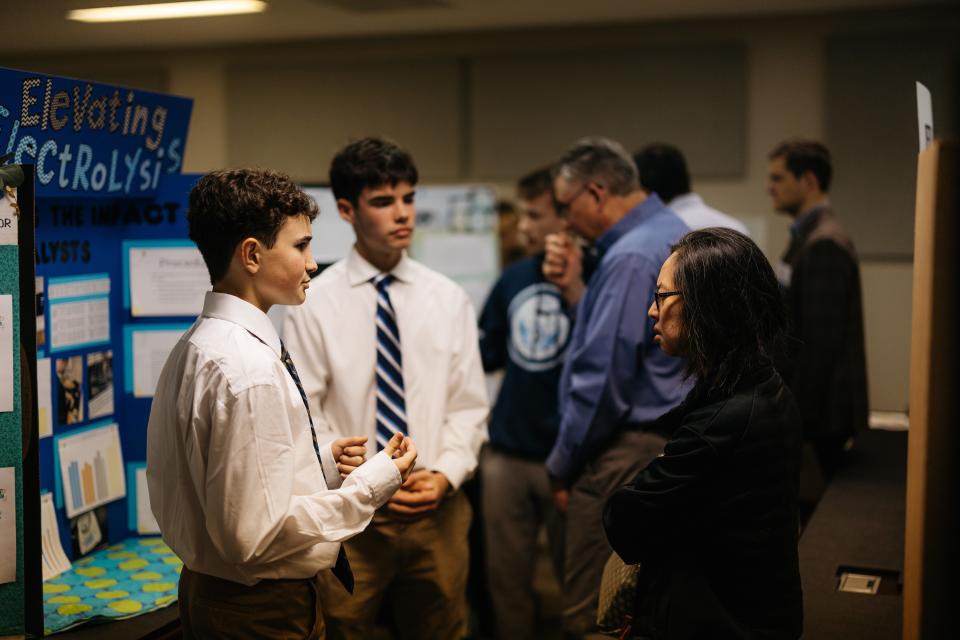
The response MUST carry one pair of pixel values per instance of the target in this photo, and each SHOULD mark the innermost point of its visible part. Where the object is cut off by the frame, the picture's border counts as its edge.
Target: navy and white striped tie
(391, 407)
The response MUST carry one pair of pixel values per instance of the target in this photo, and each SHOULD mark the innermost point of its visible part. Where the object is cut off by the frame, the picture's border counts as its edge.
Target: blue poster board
(94, 252)
(107, 162)
(91, 140)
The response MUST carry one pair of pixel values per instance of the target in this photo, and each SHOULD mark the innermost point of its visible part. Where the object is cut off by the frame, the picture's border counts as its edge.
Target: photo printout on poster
(164, 278)
(6, 353)
(79, 311)
(8, 525)
(41, 316)
(69, 385)
(147, 348)
(89, 533)
(44, 398)
(100, 384)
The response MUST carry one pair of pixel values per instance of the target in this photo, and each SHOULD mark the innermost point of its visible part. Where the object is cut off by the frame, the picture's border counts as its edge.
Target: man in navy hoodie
(524, 330)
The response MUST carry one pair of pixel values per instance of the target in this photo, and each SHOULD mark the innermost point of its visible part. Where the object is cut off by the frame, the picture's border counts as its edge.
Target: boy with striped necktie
(388, 346)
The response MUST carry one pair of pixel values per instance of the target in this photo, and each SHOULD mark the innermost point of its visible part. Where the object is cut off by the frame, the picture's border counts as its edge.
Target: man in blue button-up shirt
(616, 381)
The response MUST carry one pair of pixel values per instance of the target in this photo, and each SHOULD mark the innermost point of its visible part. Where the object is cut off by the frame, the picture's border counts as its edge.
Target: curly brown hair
(230, 205)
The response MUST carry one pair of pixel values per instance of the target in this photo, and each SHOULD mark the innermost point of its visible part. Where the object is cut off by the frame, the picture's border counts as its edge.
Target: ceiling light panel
(167, 10)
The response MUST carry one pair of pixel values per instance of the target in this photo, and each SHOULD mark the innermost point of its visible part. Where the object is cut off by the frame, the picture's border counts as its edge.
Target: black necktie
(342, 568)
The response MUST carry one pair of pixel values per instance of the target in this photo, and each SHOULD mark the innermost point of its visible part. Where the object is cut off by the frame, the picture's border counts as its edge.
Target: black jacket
(713, 521)
(826, 367)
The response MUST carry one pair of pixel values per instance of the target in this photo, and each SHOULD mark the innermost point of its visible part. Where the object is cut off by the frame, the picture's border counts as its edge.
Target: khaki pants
(587, 549)
(215, 608)
(418, 569)
(516, 502)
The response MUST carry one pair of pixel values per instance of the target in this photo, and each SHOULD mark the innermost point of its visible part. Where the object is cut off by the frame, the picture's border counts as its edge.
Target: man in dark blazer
(824, 363)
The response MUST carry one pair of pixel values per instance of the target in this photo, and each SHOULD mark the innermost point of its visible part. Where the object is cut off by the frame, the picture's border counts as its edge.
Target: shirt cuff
(331, 475)
(382, 477)
(454, 470)
(558, 463)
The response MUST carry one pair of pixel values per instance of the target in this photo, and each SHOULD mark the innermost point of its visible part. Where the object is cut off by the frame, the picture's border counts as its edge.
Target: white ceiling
(40, 26)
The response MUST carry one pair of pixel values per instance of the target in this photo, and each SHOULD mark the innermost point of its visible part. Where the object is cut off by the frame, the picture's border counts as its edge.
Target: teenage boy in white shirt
(242, 492)
(389, 346)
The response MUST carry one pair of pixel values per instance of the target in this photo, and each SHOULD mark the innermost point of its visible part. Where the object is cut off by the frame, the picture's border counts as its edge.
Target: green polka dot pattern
(136, 576)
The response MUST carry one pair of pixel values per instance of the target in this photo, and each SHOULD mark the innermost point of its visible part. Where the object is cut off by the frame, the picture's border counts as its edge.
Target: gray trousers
(516, 501)
(587, 549)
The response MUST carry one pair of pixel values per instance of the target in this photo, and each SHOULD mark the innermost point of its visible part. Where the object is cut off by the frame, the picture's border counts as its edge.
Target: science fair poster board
(117, 335)
(108, 166)
(91, 140)
(455, 234)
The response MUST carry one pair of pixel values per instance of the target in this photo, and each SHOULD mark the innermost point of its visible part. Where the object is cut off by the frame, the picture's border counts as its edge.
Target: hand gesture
(422, 493)
(561, 495)
(401, 450)
(563, 266)
(561, 500)
(349, 453)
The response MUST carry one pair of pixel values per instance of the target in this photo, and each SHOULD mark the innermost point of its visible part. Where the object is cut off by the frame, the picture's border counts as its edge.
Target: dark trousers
(215, 608)
(831, 451)
(587, 549)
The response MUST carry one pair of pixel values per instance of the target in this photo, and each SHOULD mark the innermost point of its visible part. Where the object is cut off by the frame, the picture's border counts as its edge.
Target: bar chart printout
(91, 468)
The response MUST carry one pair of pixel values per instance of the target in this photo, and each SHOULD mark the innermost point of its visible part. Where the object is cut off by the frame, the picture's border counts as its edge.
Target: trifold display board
(17, 404)
(115, 281)
(931, 558)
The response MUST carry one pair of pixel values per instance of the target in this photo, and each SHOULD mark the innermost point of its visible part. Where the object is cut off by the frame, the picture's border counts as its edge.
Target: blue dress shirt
(615, 376)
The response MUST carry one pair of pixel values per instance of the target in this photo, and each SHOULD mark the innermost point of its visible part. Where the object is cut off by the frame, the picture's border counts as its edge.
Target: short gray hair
(597, 159)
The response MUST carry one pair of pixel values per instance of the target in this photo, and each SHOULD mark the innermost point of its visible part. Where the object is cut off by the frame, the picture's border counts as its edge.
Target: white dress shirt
(233, 477)
(332, 338)
(697, 215)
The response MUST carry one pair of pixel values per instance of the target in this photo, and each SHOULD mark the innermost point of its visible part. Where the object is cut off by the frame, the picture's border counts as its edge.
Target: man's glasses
(660, 296)
(563, 208)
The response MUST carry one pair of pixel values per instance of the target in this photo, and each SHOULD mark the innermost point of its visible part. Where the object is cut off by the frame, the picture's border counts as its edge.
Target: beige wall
(289, 106)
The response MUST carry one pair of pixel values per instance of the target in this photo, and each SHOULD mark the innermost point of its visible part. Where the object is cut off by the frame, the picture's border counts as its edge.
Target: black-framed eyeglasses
(660, 296)
(563, 208)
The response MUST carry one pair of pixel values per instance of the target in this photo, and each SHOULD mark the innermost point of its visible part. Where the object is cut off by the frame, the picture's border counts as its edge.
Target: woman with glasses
(713, 520)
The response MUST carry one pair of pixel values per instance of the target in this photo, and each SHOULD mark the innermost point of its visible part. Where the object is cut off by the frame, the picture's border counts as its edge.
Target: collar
(359, 271)
(240, 312)
(628, 222)
(805, 221)
(686, 200)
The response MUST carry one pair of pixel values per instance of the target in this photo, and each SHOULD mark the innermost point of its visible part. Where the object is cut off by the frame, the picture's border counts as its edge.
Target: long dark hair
(732, 317)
